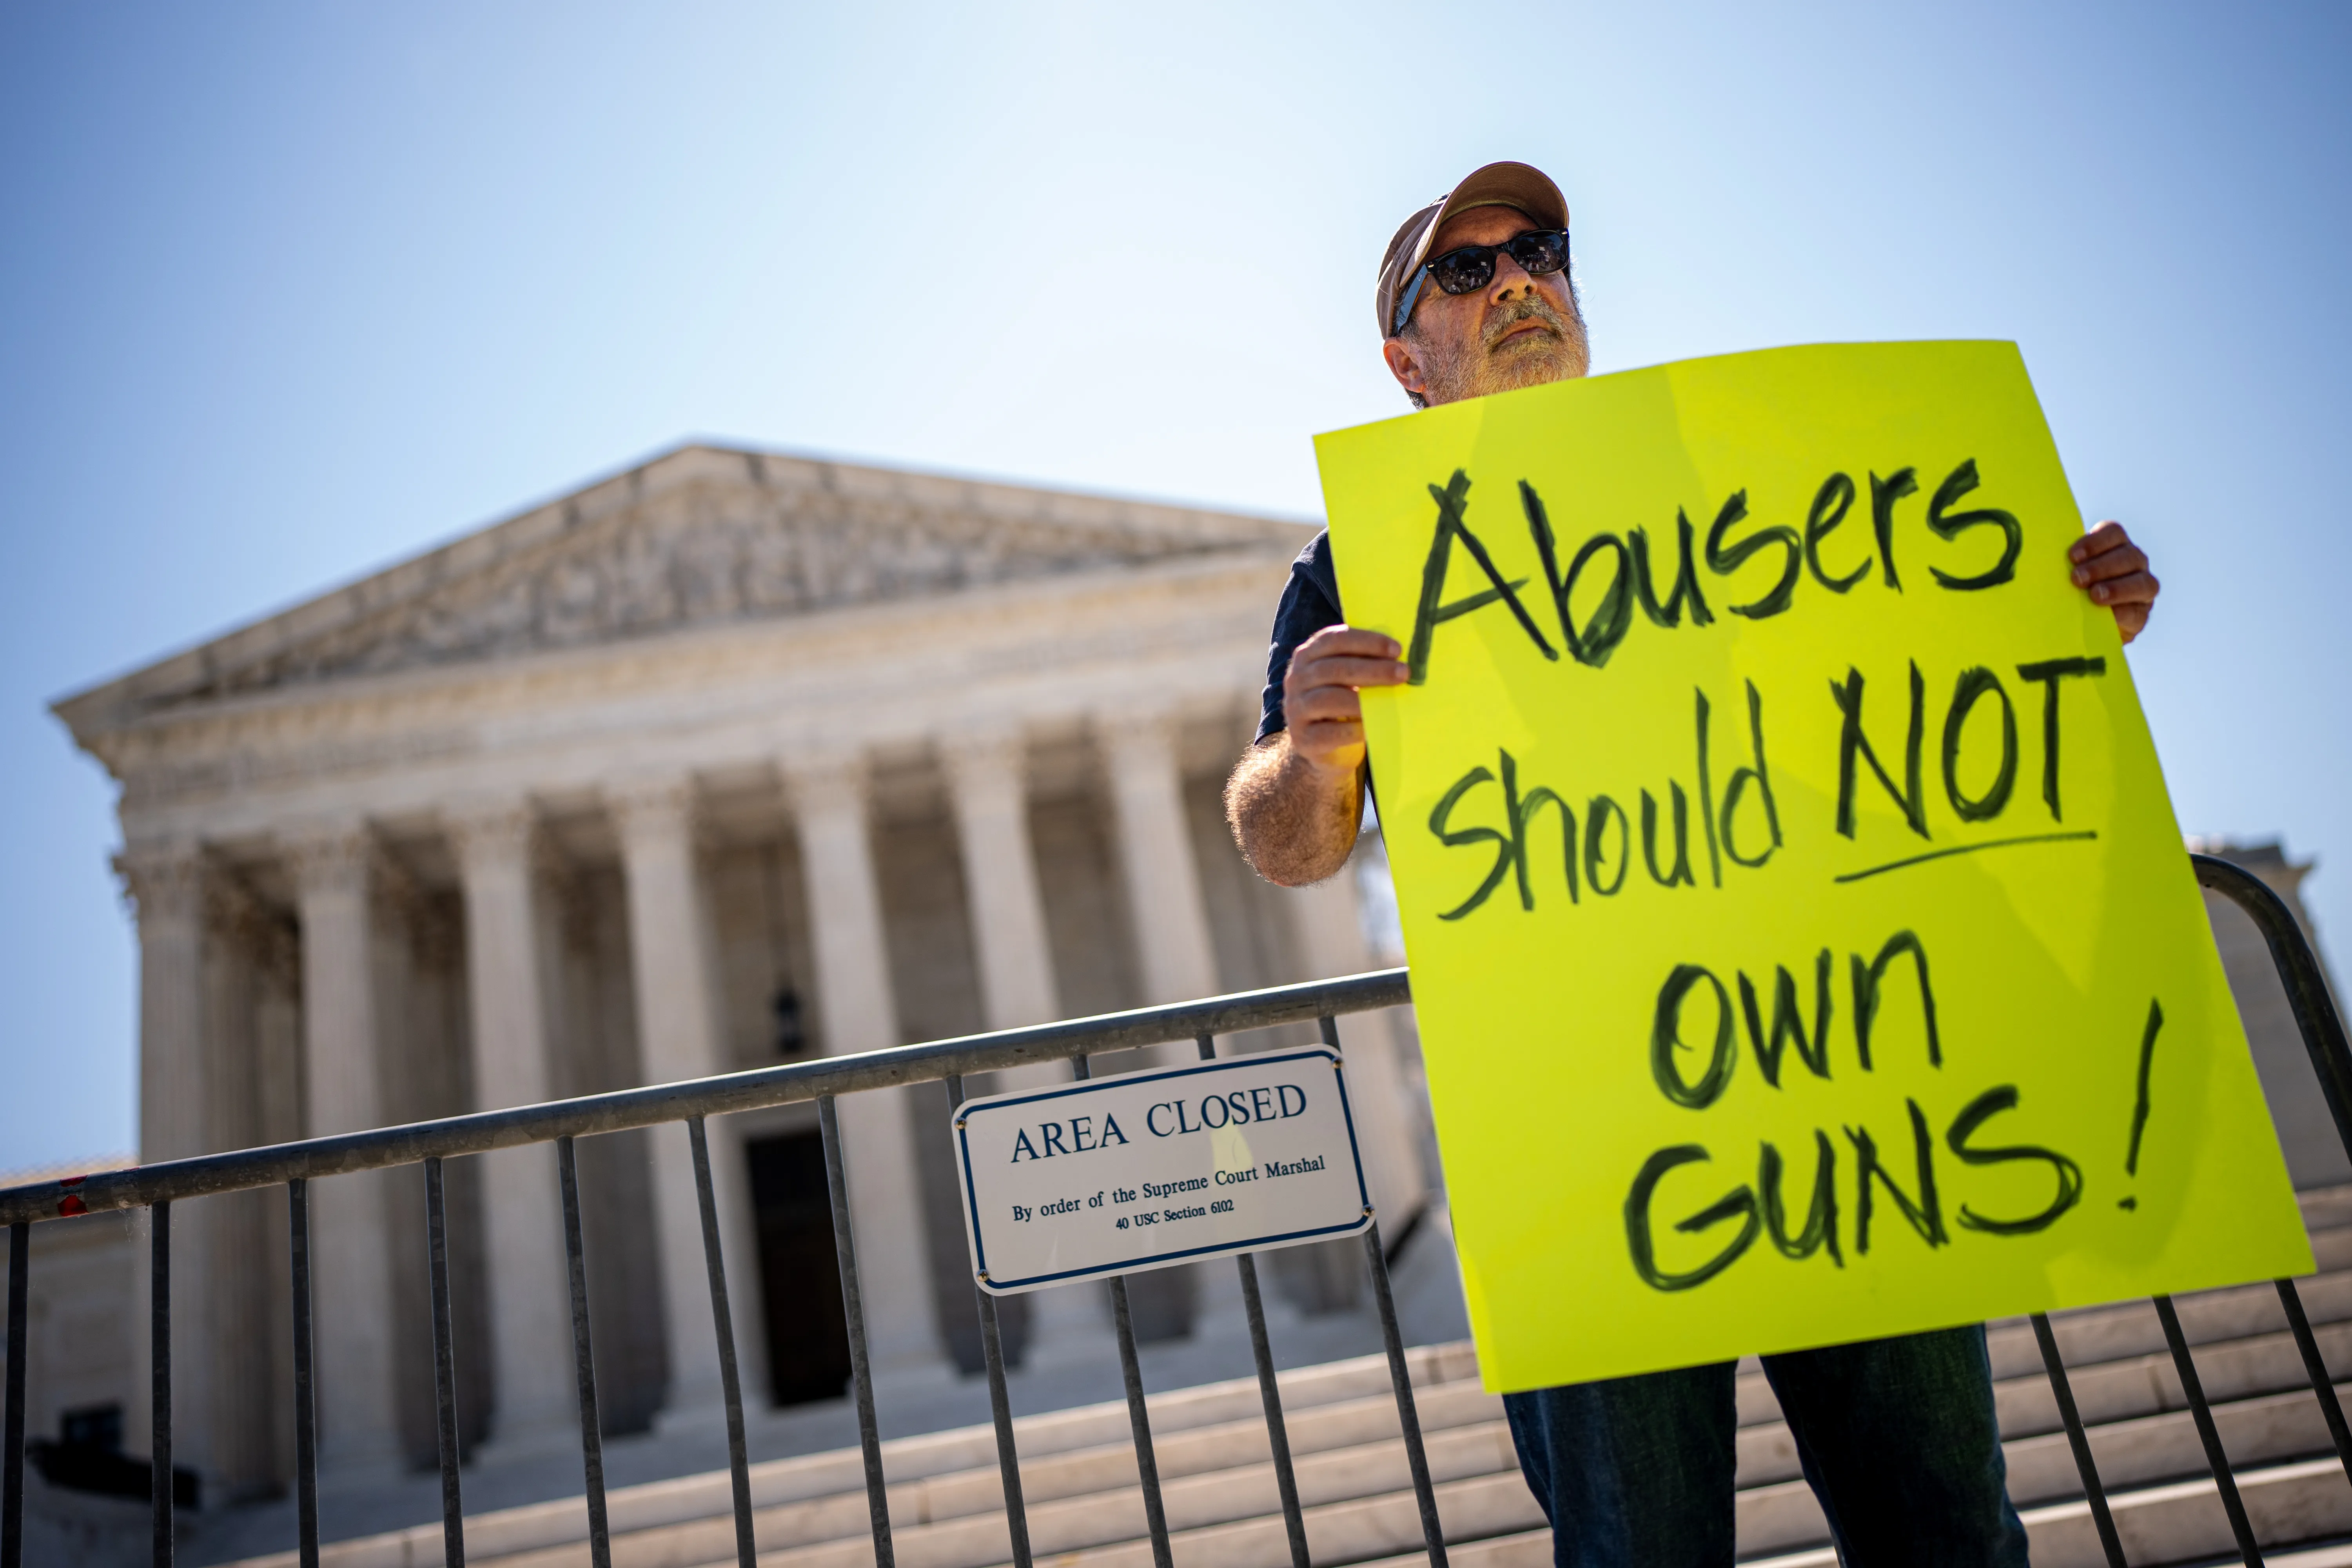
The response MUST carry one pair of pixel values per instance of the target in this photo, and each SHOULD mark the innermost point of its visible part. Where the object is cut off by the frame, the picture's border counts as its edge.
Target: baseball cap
(1519, 185)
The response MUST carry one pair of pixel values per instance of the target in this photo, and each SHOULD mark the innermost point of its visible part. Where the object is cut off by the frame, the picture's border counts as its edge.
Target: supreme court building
(734, 758)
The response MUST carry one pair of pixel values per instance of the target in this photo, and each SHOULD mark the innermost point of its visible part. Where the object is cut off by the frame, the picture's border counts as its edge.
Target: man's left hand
(2114, 571)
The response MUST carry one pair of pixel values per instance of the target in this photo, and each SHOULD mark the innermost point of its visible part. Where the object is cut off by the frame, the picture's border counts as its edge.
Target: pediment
(703, 536)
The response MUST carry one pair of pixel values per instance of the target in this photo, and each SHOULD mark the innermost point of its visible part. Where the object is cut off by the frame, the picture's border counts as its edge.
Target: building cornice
(731, 496)
(874, 675)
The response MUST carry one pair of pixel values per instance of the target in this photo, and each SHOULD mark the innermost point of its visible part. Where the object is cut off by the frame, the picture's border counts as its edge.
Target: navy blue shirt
(1310, 601)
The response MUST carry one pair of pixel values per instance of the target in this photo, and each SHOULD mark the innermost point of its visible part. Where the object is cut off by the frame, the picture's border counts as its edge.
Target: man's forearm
(1294, 821)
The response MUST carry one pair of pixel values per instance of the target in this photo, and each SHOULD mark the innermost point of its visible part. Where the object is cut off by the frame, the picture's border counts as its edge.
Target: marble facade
(731, 759)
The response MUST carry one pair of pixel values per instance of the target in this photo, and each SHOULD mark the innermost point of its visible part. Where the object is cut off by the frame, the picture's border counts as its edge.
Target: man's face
(1517, 330)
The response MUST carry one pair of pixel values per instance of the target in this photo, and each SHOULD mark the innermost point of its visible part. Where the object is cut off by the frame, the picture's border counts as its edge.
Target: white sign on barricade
(1119, 1175)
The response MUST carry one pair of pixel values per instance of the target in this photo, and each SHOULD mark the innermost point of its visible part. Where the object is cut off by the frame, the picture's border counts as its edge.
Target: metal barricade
(2331, 1059)
(430, 1143)
(156, 1187)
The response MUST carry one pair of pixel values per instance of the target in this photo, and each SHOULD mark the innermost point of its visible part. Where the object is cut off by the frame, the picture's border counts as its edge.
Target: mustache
(1531, 308)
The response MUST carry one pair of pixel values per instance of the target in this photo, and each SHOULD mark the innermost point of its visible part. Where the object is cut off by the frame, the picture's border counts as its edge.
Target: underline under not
(1967, 849)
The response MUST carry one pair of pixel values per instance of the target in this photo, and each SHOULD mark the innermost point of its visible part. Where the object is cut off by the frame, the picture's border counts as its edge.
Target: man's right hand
(1319, 704)
(1295, 798)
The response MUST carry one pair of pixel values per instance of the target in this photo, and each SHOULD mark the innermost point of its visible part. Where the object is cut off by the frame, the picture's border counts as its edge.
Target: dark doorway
(808, 1334)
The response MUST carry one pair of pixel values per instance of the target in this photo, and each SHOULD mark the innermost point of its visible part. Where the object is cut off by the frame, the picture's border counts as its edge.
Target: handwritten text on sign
(1802, 939)
(1148, 1169)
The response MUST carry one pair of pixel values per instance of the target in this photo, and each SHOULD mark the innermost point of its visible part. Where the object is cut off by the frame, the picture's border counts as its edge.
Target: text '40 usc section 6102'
(1149, 1169)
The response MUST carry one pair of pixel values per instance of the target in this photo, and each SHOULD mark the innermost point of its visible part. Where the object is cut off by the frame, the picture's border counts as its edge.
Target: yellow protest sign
(1802, 939)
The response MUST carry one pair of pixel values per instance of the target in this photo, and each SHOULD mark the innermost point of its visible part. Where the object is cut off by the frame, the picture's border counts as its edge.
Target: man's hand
(1319, 694)
(2115, 572)
(1295, 801)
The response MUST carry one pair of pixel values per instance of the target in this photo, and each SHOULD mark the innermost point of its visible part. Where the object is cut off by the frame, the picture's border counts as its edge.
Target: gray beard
(1532, 361)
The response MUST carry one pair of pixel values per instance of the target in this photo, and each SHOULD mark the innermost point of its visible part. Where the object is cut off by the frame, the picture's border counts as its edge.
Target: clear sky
(288, 292)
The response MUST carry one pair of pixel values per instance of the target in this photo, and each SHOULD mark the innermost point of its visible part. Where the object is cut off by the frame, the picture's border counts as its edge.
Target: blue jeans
(1897, 1438)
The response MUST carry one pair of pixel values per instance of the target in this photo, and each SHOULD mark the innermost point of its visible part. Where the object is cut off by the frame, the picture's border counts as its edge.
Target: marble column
(1329, 924)
(678, 1037)
(168, 886)
(860, 1014)
(351, 1237)
(535, 1404)
(1176, 954)
(1176, 959)
(989, 790)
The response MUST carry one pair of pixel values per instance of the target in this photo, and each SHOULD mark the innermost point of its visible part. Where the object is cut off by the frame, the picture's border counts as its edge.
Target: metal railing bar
(583, 1356)
(1432, 1532)
(158, 1372)
(2079, 1440)
(12, 1446)
(2324, 1041)
(445, 1368)
(1139, 1421)
(1138, 1413)
(1269, 1388)
(861, 1375)
(481, 1131)
(1278, 1431)
(1000, 1401)
(2216, 1456)
(1000, 1414)
(722, 1322)
(2316, 1017)
(2315, 1366)
(306, 1403)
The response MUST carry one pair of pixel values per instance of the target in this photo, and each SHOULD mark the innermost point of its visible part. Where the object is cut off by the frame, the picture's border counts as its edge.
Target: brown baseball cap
(1518, 185)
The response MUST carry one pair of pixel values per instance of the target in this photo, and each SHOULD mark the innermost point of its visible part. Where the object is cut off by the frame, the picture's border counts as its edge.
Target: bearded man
(1896, 1436)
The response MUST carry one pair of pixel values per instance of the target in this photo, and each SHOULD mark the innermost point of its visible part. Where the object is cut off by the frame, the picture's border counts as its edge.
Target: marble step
(1354, 1530)
(2143, 1463)
(1336, 1403)
(2136, 1385)
(2121, 1390)
(2149, 1438)
(2180, 1523)
(1084, 1507)
(2090, 1336)
(2266, 1412)
(1356, 1502)
(2152, 1436)
(2118, 1376)
(2094, 1334)
(1086, 1501)
(1092, 1495)
(1100, 1503)
(2132, 1456)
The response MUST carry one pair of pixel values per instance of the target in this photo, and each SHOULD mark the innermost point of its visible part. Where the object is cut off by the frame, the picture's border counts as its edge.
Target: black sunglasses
(1472, 267)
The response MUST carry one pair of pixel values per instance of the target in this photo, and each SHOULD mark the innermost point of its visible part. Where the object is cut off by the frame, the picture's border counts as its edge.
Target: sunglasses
(1472, 267)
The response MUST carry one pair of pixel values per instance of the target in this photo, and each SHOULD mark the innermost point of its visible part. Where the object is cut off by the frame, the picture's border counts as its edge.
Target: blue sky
(288, 292)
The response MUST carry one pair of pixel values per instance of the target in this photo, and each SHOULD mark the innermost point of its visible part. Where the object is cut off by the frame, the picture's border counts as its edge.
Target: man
(1897, 1437)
